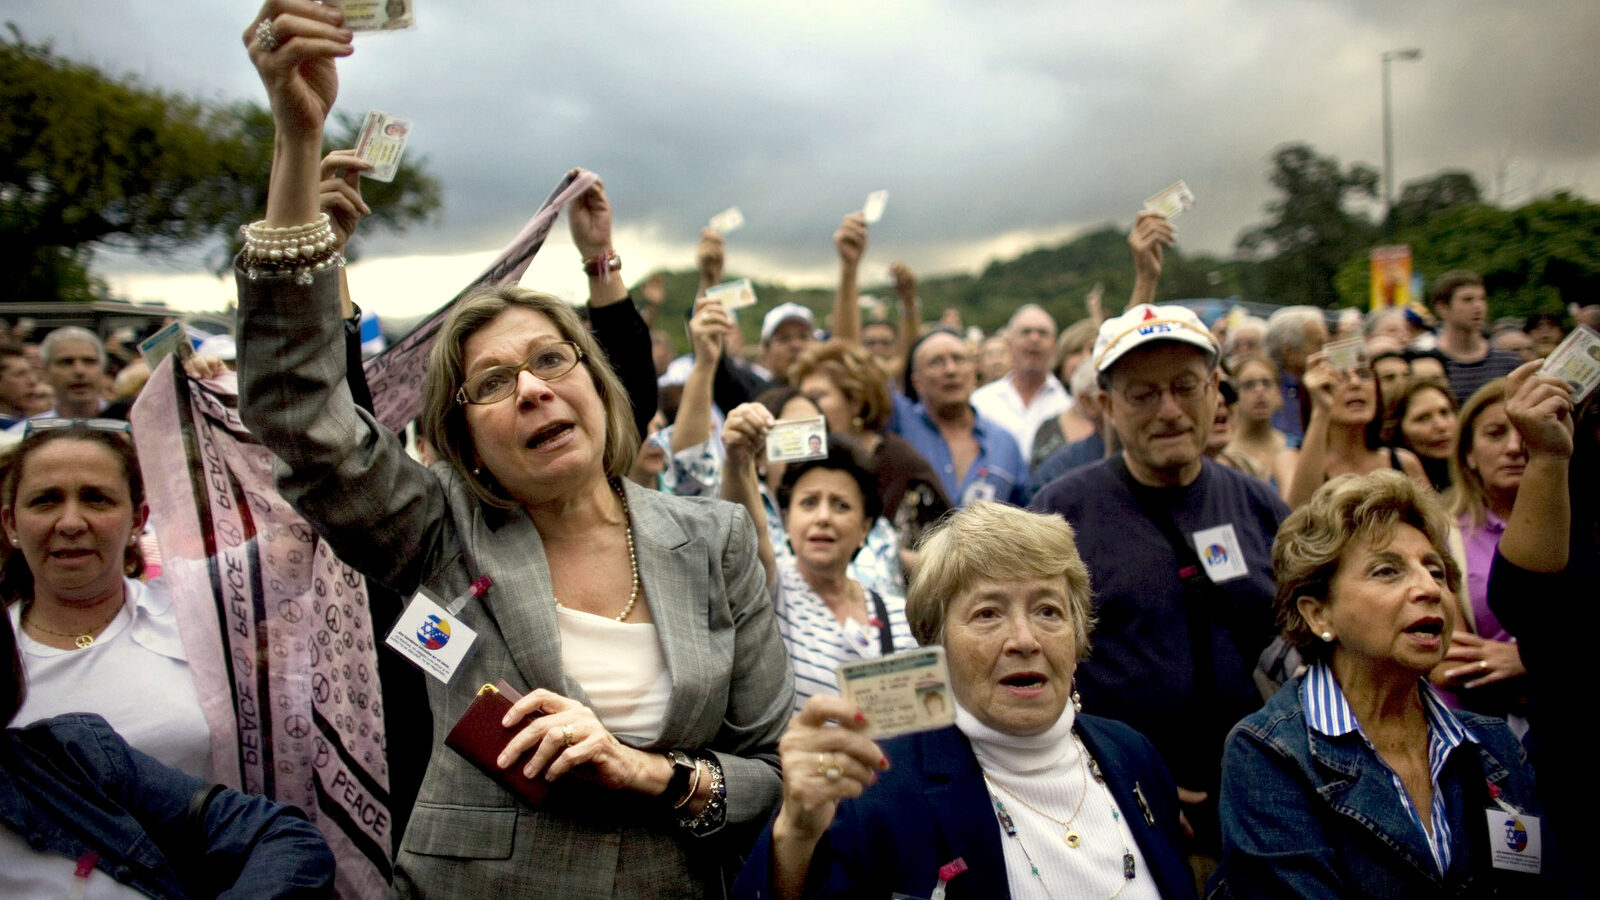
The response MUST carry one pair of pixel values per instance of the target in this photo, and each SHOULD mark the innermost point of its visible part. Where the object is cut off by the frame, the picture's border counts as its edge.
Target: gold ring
(828, 767)
(566, 732)
(1483, 664)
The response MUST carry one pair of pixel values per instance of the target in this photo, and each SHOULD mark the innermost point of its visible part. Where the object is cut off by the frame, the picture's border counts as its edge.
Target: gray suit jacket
(406, 526)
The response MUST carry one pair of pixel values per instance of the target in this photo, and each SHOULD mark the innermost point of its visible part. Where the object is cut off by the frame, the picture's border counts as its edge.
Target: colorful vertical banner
(1391, 276)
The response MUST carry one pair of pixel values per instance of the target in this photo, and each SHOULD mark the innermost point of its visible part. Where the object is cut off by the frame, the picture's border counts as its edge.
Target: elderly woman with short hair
(1355, 779)
(1037, 799)
(655, 682)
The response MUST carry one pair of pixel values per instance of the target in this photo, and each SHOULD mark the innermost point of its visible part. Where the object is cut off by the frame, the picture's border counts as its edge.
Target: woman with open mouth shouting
(1356, 780)
(1024, 797)
(635, 624)
(1344, 432)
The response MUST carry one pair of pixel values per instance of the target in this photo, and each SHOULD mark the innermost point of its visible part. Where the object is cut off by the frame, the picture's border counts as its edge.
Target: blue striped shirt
(1329, 713)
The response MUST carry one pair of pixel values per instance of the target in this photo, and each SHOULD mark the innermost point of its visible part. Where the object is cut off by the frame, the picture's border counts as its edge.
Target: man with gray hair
(1293, 333)
(1246, 338)
(1029, 394)
(75, 366)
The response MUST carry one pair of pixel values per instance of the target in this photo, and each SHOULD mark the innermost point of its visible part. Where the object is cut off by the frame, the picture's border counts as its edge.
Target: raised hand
(589, 217)
(1540, 408)
(341, 193)
(293, 44)
(905, 281)
(850, 240)
(744, 433)
(1150, 237)
(708, 330)
(709, 255)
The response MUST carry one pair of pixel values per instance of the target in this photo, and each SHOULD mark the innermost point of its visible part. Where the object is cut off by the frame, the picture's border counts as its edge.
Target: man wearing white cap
(1180, 551)
(785, 332)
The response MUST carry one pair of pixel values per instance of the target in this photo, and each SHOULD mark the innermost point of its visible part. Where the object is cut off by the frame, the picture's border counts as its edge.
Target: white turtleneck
(1048, 771)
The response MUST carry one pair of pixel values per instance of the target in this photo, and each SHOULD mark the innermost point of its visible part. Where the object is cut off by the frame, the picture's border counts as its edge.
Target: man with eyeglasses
(975, 457)
(1179, 548)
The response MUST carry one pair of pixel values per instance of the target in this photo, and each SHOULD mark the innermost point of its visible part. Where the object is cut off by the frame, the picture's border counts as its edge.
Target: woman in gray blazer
(636, 623)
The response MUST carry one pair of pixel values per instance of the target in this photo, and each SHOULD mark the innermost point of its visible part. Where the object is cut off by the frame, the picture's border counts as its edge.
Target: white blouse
(135, 675)
(621, 667)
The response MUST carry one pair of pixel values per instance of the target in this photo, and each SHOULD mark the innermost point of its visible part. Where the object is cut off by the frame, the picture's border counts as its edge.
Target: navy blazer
(932, 806)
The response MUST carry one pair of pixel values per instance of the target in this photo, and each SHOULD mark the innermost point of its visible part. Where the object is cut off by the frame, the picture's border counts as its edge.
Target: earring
(1077, 702)
(1327, 636)
(856, 423)
(477, 470)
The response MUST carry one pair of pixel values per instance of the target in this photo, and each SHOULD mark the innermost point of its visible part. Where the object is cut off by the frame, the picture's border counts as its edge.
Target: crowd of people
(1224, 612)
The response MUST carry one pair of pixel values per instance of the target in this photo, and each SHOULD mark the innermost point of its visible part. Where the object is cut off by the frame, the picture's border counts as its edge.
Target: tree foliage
(87, 160)
(1312, 229)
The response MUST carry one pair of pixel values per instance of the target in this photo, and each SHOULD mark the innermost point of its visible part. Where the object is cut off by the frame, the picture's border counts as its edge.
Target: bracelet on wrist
(716, 808)
(301, 249)
(603, 265)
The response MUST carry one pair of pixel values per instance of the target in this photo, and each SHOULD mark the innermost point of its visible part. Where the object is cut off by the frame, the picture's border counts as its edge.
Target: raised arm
(708, 332)
(1148, 240)
(709, 256)
(905, 292)
(743, 435)
(617, 325)
(850, 240)
(1311, 465)
(1540, 408)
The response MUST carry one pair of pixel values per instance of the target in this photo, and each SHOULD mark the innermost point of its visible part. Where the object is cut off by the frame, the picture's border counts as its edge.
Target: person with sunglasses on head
(1344, 430)
(1179, 632)
(93, 638)
(635, 624)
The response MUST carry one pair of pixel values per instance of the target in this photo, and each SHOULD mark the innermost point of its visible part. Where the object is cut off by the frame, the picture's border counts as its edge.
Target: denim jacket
(69, 785)
(1305, 815)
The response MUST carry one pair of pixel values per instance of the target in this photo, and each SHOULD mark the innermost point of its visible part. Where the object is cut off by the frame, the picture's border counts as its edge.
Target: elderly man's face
(943, 372)
(76, 375)
(1012, 650)
(1031, 338)
(1162, 402)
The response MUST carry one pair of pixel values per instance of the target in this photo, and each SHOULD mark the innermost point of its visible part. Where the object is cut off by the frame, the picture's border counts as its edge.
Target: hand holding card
(1576, 360)
(793, 440)
(902, 693)
(1171, 200)
(382, 142)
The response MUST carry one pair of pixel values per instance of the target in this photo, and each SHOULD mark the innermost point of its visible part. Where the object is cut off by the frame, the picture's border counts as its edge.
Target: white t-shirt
(135, 675)
(999, 402)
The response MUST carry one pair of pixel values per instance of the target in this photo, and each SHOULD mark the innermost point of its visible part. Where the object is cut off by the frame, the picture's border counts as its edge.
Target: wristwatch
(684, 767)
(603, 264)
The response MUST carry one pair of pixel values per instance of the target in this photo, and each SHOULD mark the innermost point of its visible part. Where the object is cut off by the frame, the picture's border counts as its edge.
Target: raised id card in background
(377, 15)
(792, 440)
(733, 294)
(1171, 201)
(872, 210)
(1346, 355)
(382, 143)
(433, 639)
(902, 693)
(1576, 360)
(728, 220)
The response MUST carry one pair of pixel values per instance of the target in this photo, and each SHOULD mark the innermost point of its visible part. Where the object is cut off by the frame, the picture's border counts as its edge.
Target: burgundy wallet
(479, 737)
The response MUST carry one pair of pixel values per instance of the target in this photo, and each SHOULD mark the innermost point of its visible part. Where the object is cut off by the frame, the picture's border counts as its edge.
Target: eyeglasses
(1143, 396)
(954, 360)
(1255, 384)
(110, 426)
(496, 383)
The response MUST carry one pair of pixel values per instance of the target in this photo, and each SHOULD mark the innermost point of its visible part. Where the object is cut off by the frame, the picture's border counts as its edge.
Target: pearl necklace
(633, 561)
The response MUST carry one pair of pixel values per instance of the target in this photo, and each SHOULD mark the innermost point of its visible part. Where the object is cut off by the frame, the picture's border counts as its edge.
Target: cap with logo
(782, 313)
(1146, 324)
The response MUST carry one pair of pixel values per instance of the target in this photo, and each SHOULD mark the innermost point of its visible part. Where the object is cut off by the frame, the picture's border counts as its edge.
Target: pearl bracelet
(303, 248)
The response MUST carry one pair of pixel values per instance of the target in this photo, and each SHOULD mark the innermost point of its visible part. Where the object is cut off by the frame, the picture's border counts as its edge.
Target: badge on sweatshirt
(1220, 553)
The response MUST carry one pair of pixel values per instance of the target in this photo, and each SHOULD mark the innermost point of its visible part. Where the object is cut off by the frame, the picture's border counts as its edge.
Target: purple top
(1480, 542)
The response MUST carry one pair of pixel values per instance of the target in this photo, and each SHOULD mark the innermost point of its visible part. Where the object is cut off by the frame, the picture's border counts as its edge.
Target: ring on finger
(828, 767)
(566, 733)
(266, 38)
(1483, 664)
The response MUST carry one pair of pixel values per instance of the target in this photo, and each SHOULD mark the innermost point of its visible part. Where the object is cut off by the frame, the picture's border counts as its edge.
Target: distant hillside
(1057, 278)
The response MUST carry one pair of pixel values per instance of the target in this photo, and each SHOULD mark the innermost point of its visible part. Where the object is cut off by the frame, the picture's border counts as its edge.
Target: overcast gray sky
(995, 126)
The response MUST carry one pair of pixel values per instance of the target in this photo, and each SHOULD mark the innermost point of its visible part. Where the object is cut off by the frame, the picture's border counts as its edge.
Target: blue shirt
(998, 473)
(1287, 418)
(1328, 713)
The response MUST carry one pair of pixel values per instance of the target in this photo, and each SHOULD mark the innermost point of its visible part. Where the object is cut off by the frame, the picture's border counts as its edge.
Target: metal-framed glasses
(110, 426)
(1144, 396)
(547, 363)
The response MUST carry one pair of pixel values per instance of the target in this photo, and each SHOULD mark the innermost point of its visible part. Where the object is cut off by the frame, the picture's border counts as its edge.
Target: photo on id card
(901, 693)
(793, 440)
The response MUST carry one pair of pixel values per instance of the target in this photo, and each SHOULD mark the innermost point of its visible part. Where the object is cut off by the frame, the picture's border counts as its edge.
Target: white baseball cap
(1145, 324)
(782, 313)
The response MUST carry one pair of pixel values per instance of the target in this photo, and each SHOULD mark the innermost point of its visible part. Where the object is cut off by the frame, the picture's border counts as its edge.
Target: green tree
(1312, 229)
(1421, 200)
(1535, 258)
(87, 160)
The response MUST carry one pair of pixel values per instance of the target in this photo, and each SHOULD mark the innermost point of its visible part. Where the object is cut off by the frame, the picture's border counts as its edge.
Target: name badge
(1220, 553)
(1514, 842)
(435, 641)
(978, 490)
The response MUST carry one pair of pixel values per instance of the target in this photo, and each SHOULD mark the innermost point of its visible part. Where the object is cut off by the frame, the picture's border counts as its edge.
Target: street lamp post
(1410, 53)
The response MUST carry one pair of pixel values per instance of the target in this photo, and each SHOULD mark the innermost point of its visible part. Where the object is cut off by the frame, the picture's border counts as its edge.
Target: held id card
(1171, 200)
(382, 142)
(728, 220)
(431, 637)
(172, 338)
(872, 210)
(733, 294)
(901, 693)
(1576, 360)
(377, 15)
(793, 440)
(1346, 355)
